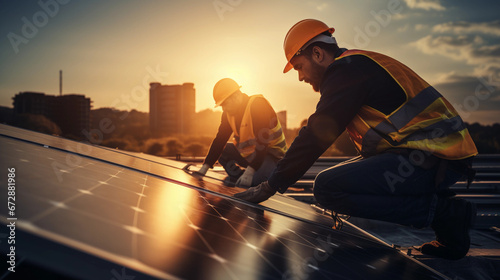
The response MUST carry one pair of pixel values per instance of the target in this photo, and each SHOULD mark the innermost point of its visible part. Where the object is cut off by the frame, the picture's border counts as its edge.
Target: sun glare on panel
(171, 220)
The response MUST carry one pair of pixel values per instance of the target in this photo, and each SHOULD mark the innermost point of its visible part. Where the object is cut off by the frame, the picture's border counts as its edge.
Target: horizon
(111, 52)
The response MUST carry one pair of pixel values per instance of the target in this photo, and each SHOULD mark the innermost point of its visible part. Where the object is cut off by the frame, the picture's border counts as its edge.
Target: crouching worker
(413, 143)
(258, 140)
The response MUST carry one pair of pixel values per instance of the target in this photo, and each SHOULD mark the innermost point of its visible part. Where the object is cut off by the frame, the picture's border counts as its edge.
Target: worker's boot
(452, 221)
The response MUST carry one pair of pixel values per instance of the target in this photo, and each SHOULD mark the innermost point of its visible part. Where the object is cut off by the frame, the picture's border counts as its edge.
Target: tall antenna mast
(60, 82)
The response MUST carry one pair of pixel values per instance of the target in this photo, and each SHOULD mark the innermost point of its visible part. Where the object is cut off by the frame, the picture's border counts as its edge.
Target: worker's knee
(325, 180)
(319, 195)
(325, 188)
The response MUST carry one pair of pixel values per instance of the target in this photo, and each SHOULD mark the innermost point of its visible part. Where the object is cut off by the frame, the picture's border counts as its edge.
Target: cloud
(488, 52)
(454, 77)
(403, 28)
(471, 48)
(425, 5)
(419, 27)
(489, 81)
(320, 6)
(455, 47)
(491, 71)
(467, 42)
(463, 27)
(400, 16)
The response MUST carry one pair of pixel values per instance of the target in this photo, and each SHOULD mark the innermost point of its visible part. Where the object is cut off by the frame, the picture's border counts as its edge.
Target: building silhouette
(171, 109)
(70, 112)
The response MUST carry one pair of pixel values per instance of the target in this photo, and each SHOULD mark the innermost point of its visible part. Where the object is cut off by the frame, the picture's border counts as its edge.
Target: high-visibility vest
(246, 141)
(425, 121)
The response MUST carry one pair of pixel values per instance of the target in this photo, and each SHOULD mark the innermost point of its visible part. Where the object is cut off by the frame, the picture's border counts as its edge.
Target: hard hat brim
(288, 67)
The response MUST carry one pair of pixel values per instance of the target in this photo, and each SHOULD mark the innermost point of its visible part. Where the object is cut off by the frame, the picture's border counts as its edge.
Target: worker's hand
(257, 194)
(203, 170)
(246, 178)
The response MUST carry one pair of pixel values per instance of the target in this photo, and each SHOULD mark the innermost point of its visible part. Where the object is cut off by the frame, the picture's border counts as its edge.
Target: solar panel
(88, 212)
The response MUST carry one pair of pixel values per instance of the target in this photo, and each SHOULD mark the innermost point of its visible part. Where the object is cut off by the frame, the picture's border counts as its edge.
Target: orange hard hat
(299, 35)
(223, 89)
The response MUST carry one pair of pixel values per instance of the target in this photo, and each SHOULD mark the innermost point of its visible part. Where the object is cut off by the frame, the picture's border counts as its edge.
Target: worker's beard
(316, 76)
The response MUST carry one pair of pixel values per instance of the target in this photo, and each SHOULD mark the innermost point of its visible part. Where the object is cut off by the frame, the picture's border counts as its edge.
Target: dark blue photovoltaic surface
(89, 212)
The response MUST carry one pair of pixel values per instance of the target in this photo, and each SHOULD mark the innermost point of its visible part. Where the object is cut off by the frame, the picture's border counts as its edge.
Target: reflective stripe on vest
(425, 121)
(246, 142)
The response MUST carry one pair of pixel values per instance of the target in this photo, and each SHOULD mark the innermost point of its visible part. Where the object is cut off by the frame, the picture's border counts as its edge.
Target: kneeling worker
(259, 142)
(413, 143)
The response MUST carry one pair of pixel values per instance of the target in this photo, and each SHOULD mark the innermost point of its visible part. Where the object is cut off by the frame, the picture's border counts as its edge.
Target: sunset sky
(111, 50)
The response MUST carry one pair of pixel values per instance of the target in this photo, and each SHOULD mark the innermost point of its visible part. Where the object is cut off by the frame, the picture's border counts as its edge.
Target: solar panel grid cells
(80, 208)
(186, 232)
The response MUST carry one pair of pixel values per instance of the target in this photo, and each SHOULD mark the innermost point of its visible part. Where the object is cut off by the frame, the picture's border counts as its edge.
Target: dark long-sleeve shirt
(347, 85)
(263, 117)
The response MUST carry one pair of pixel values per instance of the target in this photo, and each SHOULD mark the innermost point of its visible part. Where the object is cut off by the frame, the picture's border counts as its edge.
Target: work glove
(257, 194)
(203, 170)
(246, 178)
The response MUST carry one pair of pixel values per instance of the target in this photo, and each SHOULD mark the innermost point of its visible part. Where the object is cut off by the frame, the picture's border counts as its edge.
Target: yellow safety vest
(245, 141)
(425, 121)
